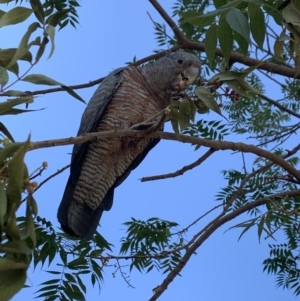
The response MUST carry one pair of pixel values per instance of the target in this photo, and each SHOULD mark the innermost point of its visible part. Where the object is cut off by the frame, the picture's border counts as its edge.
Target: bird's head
(175, 71)
(189, 68)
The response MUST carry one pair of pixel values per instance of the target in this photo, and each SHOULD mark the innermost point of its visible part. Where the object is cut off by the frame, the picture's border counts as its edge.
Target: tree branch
(179, 35)
(181, 171)
(280, 106)
(97, 81)
(235, 57)
(215, 224)
(58, 89)
(217, 145)
(184, 43)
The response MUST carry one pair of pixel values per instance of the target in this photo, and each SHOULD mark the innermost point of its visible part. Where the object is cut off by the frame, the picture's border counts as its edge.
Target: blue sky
(109, 35)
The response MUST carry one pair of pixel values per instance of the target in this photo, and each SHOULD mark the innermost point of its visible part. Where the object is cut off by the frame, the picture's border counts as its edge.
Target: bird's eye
(180, 61)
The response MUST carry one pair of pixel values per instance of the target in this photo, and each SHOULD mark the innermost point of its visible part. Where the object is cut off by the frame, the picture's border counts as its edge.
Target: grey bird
(126, 97)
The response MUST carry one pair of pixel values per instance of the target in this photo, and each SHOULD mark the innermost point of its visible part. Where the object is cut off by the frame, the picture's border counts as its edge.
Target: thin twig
(47, 179)
(197, 220)
(244, 163)
(123, 275)
(283, 86)
(52, 176)
(181, 171)
(39, 173)
(286, 178)
(280, 106)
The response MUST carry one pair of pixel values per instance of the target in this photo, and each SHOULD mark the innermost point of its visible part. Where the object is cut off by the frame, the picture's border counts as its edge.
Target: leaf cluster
(150, 244)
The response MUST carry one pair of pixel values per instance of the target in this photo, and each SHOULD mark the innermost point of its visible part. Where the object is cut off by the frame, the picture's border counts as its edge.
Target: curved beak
(184, 79)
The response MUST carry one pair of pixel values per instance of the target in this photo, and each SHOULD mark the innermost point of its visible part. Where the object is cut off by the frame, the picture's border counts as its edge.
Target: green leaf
(232, 75)
(211, 42)
(54, 272)
(208, 99)
(6, 56)
(260, 227)
(72, 93)
(16, 170)
(3, 77)
(184, 114)
(6, 132)
(9, 150)
(52, 281)
(40, 79)
(74, 293)
(14, 69)
(241, 87)
(246, 225)
(243, 44)
(3, 208)
(225, 75)
(225, 38)
(48, 288)
(10, 103)
(70, 277)
(219, 3)
(194, 18)
(11, 228)
(41, 49)
(297, 61)
(81, 284)
(222, 9)
(248, 70)
(32, 205)
(15, 247)
(7, 264)
(55, 18)
(13, 92)
(275, 13)
(11, 282)
(50, 31)
(29, 220)
(23, 46)
(257, 23)
(19, 111)
(174, 120)
(291, 14)
(239, 23)
(15, 15)
(38, 10)
(49, 294)
(193, 110)
(278, 50)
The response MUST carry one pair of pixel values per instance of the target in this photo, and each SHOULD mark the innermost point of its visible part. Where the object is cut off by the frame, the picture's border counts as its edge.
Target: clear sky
(111, 33)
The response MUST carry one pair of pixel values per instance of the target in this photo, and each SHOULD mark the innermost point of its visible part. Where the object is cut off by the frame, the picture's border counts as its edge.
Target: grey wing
(94, 111)
(89, 122)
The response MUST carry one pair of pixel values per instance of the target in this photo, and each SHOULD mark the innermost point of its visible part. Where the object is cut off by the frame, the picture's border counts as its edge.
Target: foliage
(230, 32)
